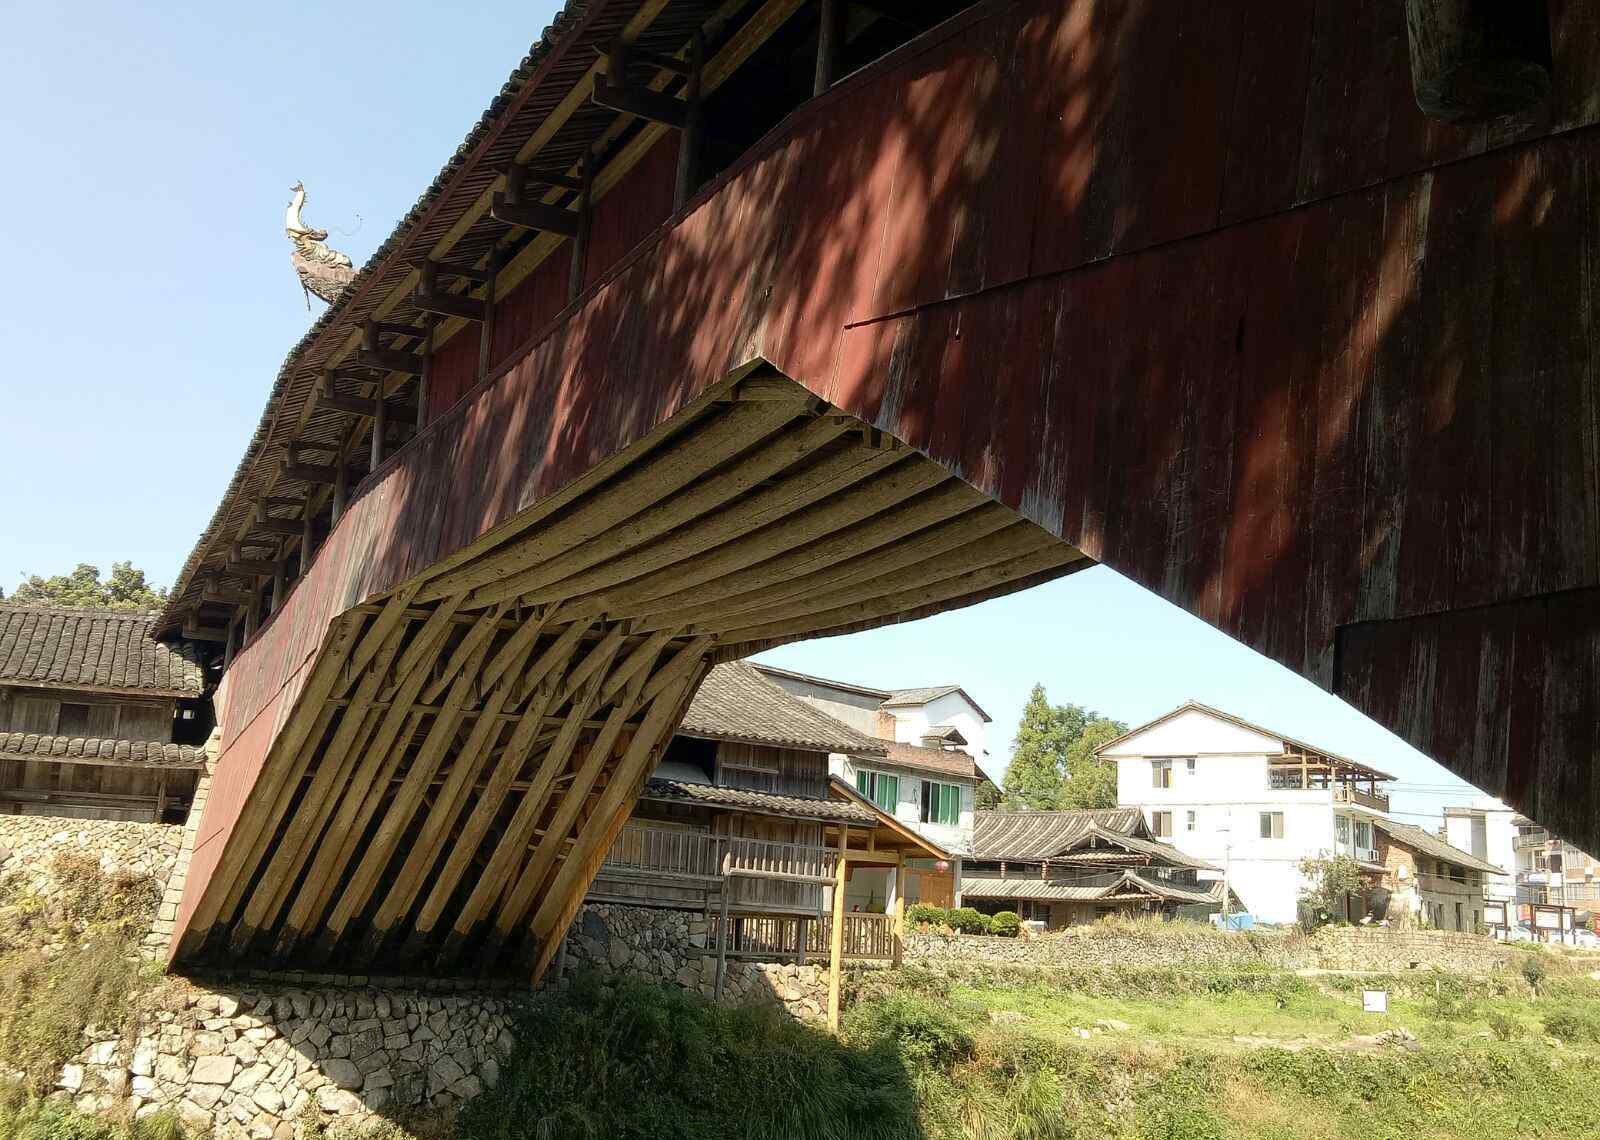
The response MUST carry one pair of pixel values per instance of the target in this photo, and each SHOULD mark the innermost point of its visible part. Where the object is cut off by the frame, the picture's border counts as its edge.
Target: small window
(879, 787)
(1189, 821)
(1161, 773)
(1341, 829)
(1364, 834)
(1161, 823)
(73, 721)
(1272, 825)
(941, 803)
(1189, 765)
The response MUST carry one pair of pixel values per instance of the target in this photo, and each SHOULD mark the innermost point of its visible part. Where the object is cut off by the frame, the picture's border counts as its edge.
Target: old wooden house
(741, 821)
(1426, 881)
(1062, 868)
(96, 719)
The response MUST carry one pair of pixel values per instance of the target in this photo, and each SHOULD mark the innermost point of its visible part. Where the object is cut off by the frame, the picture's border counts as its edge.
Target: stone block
(206, 1095)
(342, 1073)
(337, 1101)
(217, 1069)
(268, 1099)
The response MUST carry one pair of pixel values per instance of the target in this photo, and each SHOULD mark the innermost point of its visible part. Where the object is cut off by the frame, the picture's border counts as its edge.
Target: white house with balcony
(1487, 829)
(1248, 799)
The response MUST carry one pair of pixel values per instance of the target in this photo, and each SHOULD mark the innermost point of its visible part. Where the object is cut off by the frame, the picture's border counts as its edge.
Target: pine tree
(1038, 752)
(1090, 781)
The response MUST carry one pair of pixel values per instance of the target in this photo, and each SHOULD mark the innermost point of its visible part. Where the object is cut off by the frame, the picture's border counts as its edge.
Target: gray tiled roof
(763, 803)
(1038, 835)
(1432, 846)
(1087, 889)
(941, 761)
(735, 702)
(93, 649)
(930, 693)
(90, 750)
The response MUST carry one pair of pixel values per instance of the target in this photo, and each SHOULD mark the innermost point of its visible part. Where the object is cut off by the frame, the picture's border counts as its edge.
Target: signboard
(1546, 919)
(1494, 914)
(1375, 1001)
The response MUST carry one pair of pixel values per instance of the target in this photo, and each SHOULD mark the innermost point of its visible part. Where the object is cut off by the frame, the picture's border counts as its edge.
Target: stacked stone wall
(1331, 948)
(248, 1062)
(30, 844)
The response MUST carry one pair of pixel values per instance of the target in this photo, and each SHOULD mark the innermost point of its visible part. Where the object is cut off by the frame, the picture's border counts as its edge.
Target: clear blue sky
(149, 303)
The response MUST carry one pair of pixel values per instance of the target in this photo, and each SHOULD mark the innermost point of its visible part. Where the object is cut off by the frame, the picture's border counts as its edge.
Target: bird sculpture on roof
(323, 270)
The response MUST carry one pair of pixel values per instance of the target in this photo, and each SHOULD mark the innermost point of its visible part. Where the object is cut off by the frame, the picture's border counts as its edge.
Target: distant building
(1429, 881)
(96, 719)
(1063, 868)
(1246, 798)
(1552, 871)
(1487, 829)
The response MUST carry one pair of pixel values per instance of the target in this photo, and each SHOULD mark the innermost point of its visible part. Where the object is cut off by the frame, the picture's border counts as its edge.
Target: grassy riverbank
(1175, 1057)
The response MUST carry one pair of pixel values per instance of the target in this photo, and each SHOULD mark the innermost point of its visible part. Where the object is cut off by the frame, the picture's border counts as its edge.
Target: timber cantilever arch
(813, 354)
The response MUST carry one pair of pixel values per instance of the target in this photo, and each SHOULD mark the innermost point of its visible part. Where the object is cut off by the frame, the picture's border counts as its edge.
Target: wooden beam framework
(464, 753)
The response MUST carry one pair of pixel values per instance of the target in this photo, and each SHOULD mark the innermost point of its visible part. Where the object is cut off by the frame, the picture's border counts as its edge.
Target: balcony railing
(700, 855)
(1524, 840)
(1349, 794)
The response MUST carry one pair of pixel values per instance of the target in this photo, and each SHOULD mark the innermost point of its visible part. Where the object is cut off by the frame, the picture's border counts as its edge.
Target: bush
(1005, 924)
(924, 914)
(25, 1117)
(924, 1031)
(1533, 970)
(1505, 1028)
(1573, 1024)
(969, 921)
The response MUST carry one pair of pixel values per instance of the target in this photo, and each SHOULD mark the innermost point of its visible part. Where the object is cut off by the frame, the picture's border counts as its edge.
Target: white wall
(1497, 846)
(912, 722)
(956, 839)
(1227, 791)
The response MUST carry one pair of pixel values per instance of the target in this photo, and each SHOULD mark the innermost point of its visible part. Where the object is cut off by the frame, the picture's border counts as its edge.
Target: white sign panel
(1375, 1001)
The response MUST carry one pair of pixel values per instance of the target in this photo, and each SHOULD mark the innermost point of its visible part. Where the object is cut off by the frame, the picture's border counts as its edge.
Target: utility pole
(1227, 863)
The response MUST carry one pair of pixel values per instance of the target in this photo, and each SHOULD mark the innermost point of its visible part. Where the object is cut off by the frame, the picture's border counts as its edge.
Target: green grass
(922, 1058)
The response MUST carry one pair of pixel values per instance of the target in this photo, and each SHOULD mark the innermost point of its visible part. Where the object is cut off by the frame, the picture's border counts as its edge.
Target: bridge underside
(464, 751)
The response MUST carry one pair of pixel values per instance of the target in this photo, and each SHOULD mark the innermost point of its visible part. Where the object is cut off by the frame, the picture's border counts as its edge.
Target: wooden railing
(676, 851)
(1349, 794)
(666, 851)
(778, 937)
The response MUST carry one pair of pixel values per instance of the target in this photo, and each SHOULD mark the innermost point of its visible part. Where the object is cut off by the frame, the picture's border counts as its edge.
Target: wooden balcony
(1350, 794)
(781, 938)
(664, 866)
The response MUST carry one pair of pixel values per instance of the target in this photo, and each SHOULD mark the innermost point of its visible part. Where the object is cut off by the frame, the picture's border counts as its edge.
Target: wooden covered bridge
(734, 322)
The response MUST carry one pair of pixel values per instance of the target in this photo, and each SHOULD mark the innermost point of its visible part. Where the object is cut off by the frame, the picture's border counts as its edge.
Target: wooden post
(308, 544)
(689, 138)
(899, 928)
(836, 934)
(422, 377)
(233, 641)
(580, 241)
(722, 928)
(486, 329)
(803, 924)
(278, 576)
(380, 425)
(340, 479)
(827, 46)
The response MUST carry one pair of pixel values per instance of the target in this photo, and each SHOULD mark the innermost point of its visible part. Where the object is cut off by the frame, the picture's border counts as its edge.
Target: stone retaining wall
(29, 845)
(1331, 948)
(246, 1062)
(667, 947)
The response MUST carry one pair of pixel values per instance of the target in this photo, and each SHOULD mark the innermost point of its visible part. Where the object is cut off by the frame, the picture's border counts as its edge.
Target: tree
(1038, 752)
(988, 795)
(126, 589)
(1090, 781)
(1328, 884)
(1053, 764)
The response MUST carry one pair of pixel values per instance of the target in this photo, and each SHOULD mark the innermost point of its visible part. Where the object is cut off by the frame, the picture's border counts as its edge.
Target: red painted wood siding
(1261, 338)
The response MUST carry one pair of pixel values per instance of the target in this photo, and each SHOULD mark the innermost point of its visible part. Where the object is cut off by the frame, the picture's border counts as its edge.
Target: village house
(1250, 800)
(743, 822)
(97, 720)
(926, 773)
(1064, 868)
(1489, 830)
(1429, 882)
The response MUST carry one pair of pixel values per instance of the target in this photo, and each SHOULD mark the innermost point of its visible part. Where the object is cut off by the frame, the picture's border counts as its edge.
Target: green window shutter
(889, 792)
(862, 785)
(949, 804)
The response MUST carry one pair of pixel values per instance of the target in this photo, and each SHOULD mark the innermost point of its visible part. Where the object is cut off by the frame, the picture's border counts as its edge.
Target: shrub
(1505, 1028)
(969, 921)
(1533, 970)
(925, 914)
(925, 1032)
(1005, 924)
(1573, 1023)
(45, 1002)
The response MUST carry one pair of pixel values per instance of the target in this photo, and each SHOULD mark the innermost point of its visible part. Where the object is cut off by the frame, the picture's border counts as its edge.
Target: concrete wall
(912, 722)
